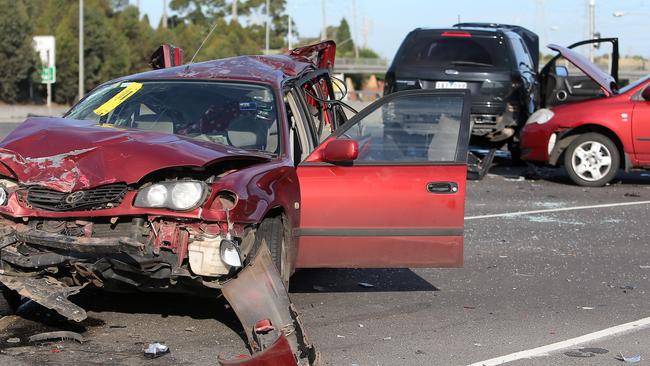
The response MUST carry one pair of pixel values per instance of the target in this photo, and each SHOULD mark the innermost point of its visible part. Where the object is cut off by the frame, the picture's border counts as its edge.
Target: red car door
(641, 125)
(400, 202)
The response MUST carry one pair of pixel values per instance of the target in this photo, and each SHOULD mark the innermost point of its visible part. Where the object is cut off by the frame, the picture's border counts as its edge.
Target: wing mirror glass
(646, 93)
(341, 150)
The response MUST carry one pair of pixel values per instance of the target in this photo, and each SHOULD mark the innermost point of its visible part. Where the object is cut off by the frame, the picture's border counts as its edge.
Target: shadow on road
(357, 280)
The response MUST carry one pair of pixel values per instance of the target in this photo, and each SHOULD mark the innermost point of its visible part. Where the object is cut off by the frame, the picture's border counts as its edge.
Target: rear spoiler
(322, 54)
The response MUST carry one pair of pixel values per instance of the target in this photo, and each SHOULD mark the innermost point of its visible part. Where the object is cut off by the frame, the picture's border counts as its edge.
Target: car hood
(603, 79)
(68, 155)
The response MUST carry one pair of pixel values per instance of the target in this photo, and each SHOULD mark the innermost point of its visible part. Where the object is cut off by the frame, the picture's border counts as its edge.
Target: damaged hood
(69, 155)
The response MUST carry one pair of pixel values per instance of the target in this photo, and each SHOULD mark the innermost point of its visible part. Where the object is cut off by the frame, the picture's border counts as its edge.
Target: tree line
(119, 41)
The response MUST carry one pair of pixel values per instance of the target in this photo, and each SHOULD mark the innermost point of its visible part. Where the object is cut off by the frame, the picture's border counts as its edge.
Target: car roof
(269, 69)
(485, 30)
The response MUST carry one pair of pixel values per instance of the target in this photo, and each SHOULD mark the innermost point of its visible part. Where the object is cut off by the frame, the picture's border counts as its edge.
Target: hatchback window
(435, 50)
(233, 114)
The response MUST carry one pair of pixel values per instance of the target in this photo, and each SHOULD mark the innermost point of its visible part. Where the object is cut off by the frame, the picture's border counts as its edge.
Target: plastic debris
(63, 335)
(366, 285)
(117, 326)
(13, 340)
(360, 325)
(630, 359)
(340, 336)
(587, 308)
(470, 307)
(644, 267)
(190, 329)
(388, 338)
(156, 350)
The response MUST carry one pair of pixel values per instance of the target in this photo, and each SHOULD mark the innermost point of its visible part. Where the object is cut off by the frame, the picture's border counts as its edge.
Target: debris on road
(61, 335)
(469, 307)
(388, 338)
(340, 336)
(630, 359)
(190, 329)
(156, 350)
(587, 308)
(633, 194)
(366, 285)
(13, 340)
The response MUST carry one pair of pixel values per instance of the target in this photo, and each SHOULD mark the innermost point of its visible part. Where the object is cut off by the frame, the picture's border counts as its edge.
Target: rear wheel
(592, 160)
(272, 231)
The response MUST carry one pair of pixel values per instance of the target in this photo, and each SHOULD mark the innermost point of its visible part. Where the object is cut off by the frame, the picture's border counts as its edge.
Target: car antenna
(201, 46)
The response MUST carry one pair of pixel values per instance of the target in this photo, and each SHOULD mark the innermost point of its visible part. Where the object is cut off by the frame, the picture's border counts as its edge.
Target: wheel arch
(566, 137)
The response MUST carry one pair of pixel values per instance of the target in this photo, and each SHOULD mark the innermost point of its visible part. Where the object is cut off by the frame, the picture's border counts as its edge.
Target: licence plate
(451, 85)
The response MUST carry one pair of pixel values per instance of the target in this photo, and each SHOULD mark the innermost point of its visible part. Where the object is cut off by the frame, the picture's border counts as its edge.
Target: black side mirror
(646, 93)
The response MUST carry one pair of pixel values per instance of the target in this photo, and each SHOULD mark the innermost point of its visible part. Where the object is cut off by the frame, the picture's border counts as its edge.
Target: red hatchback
(596, 137)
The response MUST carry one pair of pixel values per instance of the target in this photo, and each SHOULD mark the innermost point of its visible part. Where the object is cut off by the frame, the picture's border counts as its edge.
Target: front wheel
(272, 231)
(592, 160)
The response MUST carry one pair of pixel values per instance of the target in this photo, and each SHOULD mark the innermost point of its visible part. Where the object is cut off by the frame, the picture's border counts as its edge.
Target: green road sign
(48, 74)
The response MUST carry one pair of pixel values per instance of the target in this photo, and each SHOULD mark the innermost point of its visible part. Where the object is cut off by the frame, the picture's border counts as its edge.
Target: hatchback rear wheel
(592, 160)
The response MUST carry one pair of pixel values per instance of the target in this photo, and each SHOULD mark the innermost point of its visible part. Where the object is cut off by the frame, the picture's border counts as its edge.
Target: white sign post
(45, 46)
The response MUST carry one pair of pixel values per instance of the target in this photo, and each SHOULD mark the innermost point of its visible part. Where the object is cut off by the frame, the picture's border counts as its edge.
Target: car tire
(9, 301)
(273, 232)
(592, 160)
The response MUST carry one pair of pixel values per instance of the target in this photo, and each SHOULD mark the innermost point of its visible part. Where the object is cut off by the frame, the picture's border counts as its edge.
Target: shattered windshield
(234, 114)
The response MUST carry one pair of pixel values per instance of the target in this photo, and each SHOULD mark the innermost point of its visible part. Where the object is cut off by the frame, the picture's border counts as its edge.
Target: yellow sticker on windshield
(118, 99)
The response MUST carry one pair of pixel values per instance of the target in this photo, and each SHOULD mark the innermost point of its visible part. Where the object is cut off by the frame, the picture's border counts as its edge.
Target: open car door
(387, 189)
(563, 81)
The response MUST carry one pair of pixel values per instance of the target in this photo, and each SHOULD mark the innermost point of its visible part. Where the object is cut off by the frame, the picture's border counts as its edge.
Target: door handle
(442, 187)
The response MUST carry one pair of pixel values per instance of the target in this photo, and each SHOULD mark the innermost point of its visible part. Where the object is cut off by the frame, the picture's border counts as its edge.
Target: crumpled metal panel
(47, 293)
(258, 293)
(87, 155)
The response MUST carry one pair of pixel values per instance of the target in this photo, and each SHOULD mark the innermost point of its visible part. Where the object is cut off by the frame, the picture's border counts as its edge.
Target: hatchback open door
(563, 80)
(387, 189)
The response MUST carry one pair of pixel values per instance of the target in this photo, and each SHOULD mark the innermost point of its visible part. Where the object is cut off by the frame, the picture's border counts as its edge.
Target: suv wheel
(592, 160)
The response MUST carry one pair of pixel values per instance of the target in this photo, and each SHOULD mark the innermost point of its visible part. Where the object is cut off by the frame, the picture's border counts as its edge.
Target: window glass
(415, 128)
(234, 114)
(434, 50)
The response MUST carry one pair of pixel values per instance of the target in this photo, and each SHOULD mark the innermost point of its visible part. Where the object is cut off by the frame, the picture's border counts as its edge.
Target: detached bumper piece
(272, 325)
(477, 167)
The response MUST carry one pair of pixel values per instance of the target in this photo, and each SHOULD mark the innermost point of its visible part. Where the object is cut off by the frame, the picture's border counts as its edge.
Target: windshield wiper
(469, 63)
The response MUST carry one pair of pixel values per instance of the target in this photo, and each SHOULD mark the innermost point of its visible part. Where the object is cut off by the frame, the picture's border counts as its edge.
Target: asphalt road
(528, 281)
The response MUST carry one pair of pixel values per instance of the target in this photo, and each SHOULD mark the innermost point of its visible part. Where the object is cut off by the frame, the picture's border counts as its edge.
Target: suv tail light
(456, 34)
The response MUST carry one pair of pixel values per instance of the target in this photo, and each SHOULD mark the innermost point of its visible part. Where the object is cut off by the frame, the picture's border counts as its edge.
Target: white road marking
(575, 208)
(544, 350)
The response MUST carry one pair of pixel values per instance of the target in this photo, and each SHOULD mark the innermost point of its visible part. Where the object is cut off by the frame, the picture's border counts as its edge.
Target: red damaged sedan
(593, 138)
(170, 180)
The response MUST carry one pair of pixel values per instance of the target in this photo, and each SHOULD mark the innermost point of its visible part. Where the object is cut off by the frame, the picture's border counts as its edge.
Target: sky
(385, 23)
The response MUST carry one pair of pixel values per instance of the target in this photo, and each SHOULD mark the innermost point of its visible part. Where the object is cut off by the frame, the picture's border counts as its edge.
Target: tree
(343, 38)
(18, 59)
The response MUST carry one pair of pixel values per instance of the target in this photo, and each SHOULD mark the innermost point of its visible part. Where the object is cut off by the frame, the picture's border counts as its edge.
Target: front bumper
(535, 142)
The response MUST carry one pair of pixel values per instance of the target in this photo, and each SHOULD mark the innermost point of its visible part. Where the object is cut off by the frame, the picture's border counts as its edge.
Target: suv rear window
(435, 50)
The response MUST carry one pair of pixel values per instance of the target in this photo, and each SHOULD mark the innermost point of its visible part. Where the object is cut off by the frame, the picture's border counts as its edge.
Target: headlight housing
(182, 195)
(540, 116)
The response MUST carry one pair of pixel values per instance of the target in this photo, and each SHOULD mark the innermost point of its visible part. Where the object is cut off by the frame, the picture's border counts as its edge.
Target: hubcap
(591, 161)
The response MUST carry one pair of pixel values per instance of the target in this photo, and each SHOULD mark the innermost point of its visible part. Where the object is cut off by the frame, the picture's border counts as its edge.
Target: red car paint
(624, 116)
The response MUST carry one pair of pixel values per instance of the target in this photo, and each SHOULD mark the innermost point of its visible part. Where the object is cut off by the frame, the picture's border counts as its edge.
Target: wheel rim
(591, 161)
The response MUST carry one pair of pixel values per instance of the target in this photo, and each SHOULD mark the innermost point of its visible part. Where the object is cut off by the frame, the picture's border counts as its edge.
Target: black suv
(498, 63)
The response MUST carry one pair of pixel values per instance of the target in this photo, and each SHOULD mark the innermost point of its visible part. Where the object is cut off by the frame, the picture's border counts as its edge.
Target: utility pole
(234, 11)
(290, 33)
(81, 50)
(268, 26)
(164, 14)
(354, 29)
(323, 26)
(592, 27)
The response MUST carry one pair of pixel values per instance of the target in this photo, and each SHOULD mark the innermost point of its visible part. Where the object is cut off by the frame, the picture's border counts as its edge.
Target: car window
(435, 50)
(234, 114)
(410, 129)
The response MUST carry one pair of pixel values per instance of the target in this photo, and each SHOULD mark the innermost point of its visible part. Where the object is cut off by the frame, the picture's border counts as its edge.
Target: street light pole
(81, 49)
(268, 26)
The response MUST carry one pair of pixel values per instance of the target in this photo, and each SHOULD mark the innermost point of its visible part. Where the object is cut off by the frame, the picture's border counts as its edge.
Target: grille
(92, 199)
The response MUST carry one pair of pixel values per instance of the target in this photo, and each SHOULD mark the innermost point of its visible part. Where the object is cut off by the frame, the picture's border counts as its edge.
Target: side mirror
(646, 93)
(561, 71)
(341, 150)
(166, 56)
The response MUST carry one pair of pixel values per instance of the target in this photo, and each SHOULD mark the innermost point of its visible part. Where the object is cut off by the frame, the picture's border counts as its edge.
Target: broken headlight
(174, 195)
